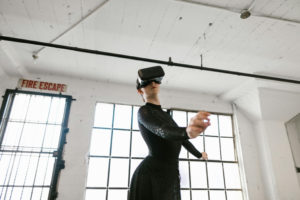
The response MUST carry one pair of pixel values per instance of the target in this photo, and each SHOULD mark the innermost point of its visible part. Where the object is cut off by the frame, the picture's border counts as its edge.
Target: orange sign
(42, 85)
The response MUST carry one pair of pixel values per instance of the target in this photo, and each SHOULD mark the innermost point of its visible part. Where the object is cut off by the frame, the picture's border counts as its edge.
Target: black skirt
(155, 179)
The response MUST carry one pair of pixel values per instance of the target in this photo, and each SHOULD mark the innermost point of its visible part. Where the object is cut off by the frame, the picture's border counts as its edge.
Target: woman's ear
(140, 91)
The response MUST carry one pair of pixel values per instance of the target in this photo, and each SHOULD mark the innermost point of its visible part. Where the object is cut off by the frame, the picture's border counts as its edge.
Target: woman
(157, 177)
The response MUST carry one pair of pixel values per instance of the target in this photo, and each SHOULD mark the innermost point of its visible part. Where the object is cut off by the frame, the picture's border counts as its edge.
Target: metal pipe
(170, 62)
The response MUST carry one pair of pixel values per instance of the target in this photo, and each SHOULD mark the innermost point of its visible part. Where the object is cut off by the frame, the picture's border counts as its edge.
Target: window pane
(32, 169)
(12, 135)
(135, 125)
(122, 117)
(199, 195)
(38, 109)
(44, 170)
(212, 148)
(4, 166)
(234, 195)
(12, 170)
(185, 195)
(24, 169)
(198, 175)
(232, 175)
(52, 136)
(45, 193)
(184, 174)
(217, 195)
(100, 142)
(37, 193)
(4, 191)
(97, 172)
(139, 147)
(213, 129)
(118, 176)
(134, 164)
(31, 131)
(215, 175)
(18, 193)
(103, 115)
(19, 108)
(198, 143)
(121, 143)
(225, 125)
(180, 118)
(57, 109)
(95, 194)
(227, 147)
(190, 115)
(117, 194)
(183, 153)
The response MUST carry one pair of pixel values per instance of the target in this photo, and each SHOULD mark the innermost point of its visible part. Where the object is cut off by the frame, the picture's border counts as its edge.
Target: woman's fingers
(198, 129)
(202, 115)
(198, 124)
(204, 156)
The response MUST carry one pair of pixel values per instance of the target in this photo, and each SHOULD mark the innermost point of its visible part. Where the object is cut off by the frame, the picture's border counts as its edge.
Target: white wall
(275, 108)
(285, 106)
(250, 156)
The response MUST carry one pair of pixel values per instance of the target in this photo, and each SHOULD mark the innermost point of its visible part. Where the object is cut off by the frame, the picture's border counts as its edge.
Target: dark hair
(138, 85)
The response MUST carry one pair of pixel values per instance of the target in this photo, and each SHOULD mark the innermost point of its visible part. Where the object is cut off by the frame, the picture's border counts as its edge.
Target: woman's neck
(153, 101)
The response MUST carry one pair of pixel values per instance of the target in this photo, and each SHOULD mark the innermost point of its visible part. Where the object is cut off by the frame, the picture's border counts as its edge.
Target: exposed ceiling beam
(35, 53)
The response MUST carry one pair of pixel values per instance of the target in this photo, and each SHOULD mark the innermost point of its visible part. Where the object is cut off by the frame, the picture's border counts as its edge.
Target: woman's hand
(204, 156)
(198, 124)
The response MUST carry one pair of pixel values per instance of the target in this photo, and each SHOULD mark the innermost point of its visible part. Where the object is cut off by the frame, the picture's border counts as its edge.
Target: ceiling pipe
(169, 63)
(240, 11)
(35, 53)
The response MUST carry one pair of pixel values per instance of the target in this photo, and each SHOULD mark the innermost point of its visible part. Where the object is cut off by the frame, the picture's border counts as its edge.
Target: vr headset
(148, 75)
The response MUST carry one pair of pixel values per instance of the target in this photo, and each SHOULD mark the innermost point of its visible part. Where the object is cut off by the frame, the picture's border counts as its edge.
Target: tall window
(117, 148)
(215, 179)
(32, 132)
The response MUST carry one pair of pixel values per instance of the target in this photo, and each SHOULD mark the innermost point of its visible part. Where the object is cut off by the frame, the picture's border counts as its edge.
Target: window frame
(171, 110)
(59, 163)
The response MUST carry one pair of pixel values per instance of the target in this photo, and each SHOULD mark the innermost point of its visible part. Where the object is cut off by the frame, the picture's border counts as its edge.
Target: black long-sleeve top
(161, 133)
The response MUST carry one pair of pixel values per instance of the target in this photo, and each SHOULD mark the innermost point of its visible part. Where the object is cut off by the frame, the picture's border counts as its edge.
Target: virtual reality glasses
(148, 75)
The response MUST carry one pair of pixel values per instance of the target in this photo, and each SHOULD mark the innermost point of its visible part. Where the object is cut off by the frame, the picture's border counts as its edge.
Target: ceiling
(268, 42)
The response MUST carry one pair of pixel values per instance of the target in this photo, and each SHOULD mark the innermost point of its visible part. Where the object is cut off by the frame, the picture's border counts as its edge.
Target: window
(215, 179)
(117, 148)
(31, 140)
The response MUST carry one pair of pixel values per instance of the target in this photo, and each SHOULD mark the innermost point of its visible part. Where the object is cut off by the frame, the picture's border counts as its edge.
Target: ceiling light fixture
(245, 14)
